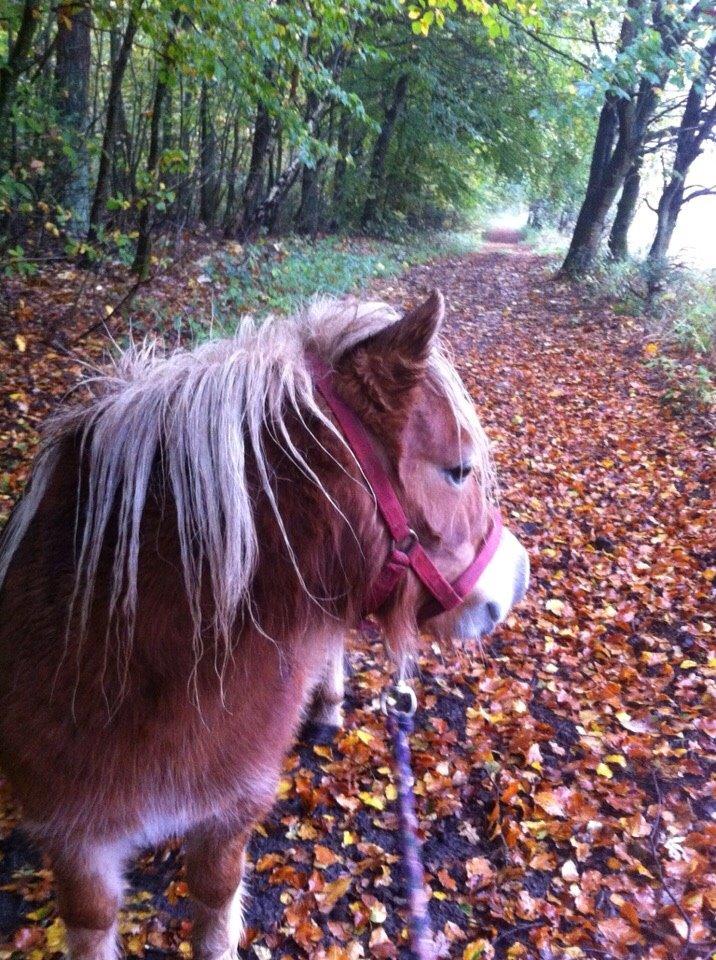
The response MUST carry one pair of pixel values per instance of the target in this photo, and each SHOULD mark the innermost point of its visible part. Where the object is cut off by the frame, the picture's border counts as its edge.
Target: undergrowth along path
(562, 773)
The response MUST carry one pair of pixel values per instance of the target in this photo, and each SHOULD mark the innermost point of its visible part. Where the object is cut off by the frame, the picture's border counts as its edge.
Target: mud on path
(562, 773)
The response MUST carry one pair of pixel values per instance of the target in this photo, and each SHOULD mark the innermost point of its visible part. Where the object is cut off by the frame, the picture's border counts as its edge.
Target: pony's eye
(458, 475)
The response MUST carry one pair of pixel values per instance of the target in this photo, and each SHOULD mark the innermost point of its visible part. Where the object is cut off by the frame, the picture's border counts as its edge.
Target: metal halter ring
(407, 544)
(393, 700)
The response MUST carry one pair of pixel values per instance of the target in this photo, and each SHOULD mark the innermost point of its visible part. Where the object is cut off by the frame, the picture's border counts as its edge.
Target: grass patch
(547, 242)
(277, 276)
(678, 308)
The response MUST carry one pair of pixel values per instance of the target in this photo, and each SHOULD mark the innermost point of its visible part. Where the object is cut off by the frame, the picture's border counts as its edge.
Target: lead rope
(399, 704)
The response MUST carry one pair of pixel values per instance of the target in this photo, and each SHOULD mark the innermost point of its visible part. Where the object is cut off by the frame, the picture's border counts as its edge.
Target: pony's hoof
(314, 733)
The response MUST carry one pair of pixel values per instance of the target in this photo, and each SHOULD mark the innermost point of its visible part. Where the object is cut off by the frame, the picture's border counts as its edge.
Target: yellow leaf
(370, 800)
(555, 606)
(616, 758)
(651, 349)
(20, 343)
(604, 771)
(688, 664)
(55, 934)
(478, 950)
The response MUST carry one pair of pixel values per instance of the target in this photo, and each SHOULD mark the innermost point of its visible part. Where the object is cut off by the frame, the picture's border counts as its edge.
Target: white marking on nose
(502, 584)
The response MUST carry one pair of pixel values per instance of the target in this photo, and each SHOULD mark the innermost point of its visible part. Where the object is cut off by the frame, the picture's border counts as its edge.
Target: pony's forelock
(205, 412)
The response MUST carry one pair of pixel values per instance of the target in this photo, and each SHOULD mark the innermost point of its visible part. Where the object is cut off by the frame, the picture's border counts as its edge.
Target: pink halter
(406, 552)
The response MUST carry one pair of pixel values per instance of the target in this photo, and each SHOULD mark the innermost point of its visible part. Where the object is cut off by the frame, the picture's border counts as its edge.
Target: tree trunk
(264, 214)
(17, 61)
(266, 210)
(339, 171)
(308, 214)
(380, 151)
(146, 217)
(231, 178)
(114, 111)
(184, 198)
(598, 199)
(308, 210)
(253, 188)
(72, 76)
(633, 114)
(695, 129)
(667, 215)
(618, 238)
(207, 159)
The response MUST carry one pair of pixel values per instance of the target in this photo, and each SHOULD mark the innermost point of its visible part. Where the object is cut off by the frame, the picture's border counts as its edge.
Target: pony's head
(407, 393)
(229, 447)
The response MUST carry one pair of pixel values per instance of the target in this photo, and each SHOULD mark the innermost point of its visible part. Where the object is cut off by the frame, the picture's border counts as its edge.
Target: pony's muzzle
(501, 585)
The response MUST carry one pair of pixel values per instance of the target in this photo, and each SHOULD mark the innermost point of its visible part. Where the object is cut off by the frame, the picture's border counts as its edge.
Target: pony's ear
(391, 362)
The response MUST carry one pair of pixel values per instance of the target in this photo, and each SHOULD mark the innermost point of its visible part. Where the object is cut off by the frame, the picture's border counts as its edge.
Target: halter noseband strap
(406, 552)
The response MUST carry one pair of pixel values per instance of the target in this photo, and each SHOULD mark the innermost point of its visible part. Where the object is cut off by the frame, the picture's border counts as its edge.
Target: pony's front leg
(325, 714)
(89, 889)
(215, 867)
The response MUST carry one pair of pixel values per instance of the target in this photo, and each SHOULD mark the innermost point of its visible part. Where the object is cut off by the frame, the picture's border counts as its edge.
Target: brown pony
(179, 577)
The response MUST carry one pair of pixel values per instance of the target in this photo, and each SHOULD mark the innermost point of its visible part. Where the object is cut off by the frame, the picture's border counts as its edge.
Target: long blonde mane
(206, 411)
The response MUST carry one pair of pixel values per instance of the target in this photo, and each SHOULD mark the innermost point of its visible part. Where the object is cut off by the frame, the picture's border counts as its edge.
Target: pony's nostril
(493, 612)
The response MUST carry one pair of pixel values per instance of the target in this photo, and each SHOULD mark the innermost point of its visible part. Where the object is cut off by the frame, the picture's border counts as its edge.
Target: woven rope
(422, 947)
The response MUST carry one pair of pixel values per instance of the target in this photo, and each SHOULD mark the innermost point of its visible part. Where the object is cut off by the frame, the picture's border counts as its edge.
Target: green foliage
(470, 121)
(277, 277)
(677, 307)
(16, 263)
(499, 97)
(12, 192)
(685, 309)
(688, 385)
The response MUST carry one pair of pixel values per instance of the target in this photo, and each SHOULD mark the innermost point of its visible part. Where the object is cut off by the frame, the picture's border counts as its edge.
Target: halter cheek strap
(406, 552)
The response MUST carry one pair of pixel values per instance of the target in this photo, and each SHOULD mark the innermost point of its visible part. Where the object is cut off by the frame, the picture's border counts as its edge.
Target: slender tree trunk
(184, 197)
(114, 110)
(146, 217)
(667, 215)
(695, 128)
(232, 174)
(72, 76)
(265, 212)
(254, 186)
(380, 151)
(308, 210)
(339, 171)
(618, 238)
(17, 62)
(207, 159)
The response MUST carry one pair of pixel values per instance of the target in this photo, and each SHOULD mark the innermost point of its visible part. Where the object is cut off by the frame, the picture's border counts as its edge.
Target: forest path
(561, 775)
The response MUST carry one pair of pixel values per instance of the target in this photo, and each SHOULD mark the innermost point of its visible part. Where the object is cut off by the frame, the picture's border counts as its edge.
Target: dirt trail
(561, 774)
